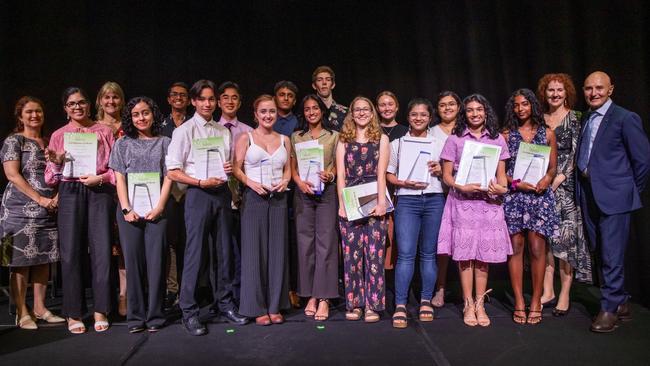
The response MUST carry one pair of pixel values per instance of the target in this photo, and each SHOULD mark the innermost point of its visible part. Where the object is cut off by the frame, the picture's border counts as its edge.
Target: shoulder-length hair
(491, 121)
(127, 122)
(447, 93)
(324, 122)
(537, 116)
(18, 110)
(349, 130)
(569, 87)
(108, 87)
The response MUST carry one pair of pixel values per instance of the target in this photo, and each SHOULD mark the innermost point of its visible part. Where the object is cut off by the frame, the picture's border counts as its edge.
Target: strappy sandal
(321, 317)
(48, 317)
(371, 316)
(101, 325)
(481, 316)
(535, 319)
(521, 320)
(76, 327)
(400, 321)
(469, 313)
(309, 312)
(353, 315)
(424, 314)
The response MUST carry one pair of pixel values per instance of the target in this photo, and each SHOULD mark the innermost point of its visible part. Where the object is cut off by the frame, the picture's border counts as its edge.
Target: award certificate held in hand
(209, 157)
(310, 162)
(359, 200)
(80, 154)
(478, 163)
(532, 162)
(144, 191)
(414, 156)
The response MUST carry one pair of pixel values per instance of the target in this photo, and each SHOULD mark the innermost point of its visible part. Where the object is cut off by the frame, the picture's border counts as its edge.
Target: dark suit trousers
(84, 223)
(208, 223)
(144, 247)
(609, 234)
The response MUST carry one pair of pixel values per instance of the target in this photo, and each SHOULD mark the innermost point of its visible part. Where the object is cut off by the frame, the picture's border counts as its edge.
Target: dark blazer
(619, 163)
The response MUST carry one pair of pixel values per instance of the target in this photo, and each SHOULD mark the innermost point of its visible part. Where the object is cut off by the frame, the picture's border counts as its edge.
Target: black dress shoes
(234, 317)
(136, 329)
(558, 313)
(154, 328)
(605, 322)
(624, 313)
(194, 327)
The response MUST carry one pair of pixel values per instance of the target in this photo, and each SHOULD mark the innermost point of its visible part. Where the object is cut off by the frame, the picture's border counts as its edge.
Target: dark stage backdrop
(412, 48)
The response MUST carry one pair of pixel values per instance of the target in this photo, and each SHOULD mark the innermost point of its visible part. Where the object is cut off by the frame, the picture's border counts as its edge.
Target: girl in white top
(419, 209)
(262, 165)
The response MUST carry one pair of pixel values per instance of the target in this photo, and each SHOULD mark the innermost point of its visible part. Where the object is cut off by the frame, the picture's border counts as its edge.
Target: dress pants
(208, 224)
(84, 223)
(317, 243)
(144, 247)
(175, 214)
(609, 234)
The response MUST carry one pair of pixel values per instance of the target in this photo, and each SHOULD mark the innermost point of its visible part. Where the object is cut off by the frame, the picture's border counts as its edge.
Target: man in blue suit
(613, 161)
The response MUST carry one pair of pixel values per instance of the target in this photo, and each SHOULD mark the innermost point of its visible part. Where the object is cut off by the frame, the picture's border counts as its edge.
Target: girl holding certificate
(362, 157)
(138, 160)
(262, 165)
(27, 221)
(315, 205)
(444, 120)
(557, 95)
(78, 156)
(473, 230)
(529, 207)
(414, 170)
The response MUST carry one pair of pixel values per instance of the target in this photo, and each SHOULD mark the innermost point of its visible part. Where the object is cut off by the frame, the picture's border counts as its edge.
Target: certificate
(310, 162)
(361, 199)
(267, 178)
(80, 154)
(209, 157)
(144, 191)
(414, 156)
(532, 162)
(478, 163)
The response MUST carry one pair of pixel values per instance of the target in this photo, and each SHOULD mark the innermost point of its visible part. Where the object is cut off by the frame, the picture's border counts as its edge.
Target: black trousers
(144, 247)
(84, 222)
(208, 223)
(175, 214)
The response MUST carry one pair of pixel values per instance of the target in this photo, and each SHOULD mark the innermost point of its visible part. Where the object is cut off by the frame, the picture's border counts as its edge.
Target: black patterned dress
(363, 240)
(570, 245)
(28, 231)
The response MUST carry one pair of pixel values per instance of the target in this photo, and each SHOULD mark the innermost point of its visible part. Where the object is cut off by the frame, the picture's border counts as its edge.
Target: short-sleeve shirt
(328, 139)
(286, 125)
(453, 149)
(131, 155)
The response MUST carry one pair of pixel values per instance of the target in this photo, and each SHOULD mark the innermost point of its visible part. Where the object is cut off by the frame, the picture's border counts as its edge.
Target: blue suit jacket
(619, 162)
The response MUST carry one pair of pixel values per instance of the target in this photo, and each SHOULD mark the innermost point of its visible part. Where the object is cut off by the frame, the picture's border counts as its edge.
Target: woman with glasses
(262, 165)
(362, 157)
(85, 209)
(418, 210)
(27, 224)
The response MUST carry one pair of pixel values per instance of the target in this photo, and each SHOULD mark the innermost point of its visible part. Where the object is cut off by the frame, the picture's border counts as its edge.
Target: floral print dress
(363, 240)
(529, 210)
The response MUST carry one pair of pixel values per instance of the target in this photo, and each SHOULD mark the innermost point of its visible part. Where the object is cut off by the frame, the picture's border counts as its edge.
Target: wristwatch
(125, 211)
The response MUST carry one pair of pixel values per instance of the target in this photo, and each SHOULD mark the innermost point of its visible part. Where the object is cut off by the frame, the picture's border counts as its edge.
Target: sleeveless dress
(363, 240)
(528, 210)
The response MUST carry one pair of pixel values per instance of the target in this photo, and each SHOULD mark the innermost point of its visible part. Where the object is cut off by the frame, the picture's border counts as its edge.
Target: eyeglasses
(78, 104)
(445, 105)
(421, 115)
(361, 110)
(177, 95)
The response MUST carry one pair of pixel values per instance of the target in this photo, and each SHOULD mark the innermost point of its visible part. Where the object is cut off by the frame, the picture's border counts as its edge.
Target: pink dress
(473, 226)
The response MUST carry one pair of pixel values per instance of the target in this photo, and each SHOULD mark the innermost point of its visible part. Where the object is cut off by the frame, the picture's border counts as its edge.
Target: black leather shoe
(136, 329)
(234, 317)
(194, 327)
(154, 328)
(624, 313)
(604, 323)
(557, 312)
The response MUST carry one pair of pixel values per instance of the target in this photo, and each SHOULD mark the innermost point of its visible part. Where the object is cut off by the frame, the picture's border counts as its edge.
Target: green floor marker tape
(230, 331)
(320, 327)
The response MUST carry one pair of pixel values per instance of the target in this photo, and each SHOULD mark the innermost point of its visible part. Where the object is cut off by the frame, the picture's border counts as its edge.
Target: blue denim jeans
(417, 221)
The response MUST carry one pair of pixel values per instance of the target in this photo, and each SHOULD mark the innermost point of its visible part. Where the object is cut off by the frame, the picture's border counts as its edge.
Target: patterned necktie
(585, 151)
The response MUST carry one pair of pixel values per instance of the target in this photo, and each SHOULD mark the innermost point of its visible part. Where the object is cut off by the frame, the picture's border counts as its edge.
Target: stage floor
(301, 341)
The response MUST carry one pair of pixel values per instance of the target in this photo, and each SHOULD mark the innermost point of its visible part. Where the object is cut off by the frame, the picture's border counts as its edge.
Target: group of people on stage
(235, 228)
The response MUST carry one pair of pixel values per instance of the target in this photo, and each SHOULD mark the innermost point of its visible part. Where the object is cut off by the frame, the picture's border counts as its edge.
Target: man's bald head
(597, 88)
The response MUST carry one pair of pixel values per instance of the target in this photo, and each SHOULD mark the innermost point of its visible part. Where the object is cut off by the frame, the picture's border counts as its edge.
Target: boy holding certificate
(138, 160)
(530, 205)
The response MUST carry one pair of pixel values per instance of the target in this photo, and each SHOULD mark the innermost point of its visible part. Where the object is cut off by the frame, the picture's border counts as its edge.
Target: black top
(395, 132)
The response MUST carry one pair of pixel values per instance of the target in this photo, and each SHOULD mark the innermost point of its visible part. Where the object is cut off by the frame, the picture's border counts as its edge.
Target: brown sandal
(353, 315)
(400, 321)
(424, 314)
(321, 317)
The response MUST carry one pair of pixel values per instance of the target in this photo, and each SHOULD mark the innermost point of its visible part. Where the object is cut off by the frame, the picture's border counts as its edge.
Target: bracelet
(101, 180)
(515, 183)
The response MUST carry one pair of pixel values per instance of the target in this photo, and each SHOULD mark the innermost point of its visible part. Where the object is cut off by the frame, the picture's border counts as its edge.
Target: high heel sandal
(321, 317)
(521, 320)
(481, 316)
(535, 319)
(469, 313)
